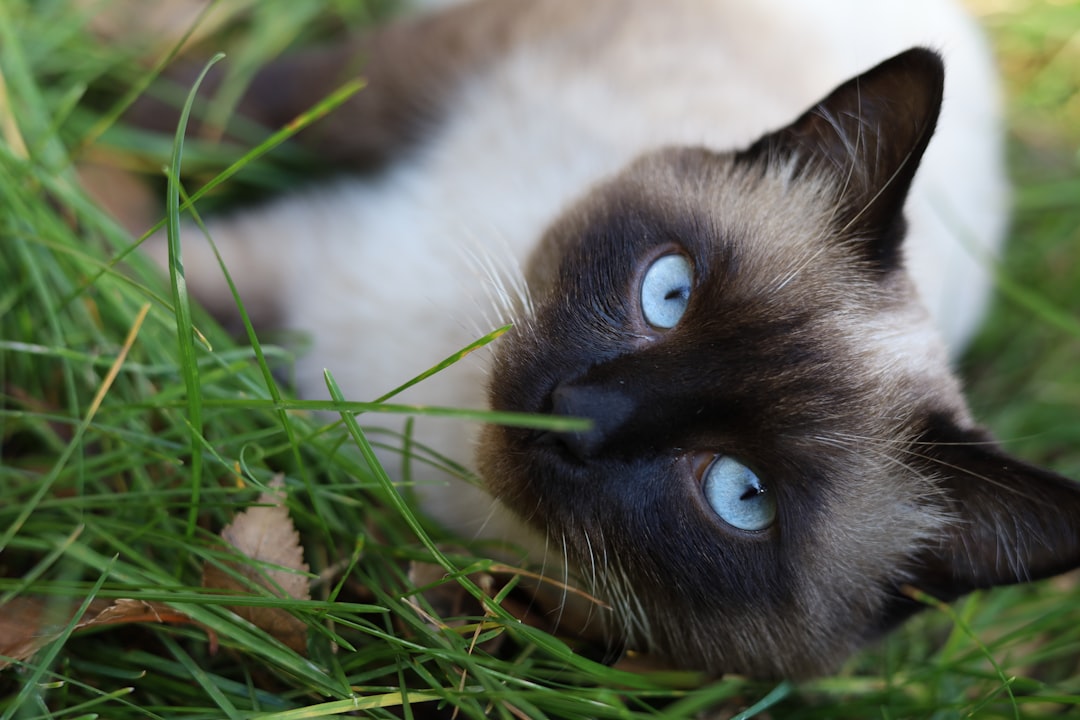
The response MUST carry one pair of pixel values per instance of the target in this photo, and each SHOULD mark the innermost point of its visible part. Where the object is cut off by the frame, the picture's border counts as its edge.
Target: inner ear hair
(1014, 522)
(868, 136)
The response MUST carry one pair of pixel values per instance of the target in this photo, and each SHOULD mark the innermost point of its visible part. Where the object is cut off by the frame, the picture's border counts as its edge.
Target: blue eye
(736, 494)
(665, 290)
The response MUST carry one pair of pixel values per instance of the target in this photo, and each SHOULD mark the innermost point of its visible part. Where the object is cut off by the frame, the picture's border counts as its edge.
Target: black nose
(608, 409)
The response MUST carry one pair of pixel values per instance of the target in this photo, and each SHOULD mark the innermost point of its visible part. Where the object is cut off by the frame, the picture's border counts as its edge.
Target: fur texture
(526, 161)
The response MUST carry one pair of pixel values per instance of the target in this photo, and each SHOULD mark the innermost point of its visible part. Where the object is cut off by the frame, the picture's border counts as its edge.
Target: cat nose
(608, 410)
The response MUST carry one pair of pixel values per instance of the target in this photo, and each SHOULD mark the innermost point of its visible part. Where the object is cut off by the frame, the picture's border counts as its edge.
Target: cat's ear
(1013, 522)
(868, 135)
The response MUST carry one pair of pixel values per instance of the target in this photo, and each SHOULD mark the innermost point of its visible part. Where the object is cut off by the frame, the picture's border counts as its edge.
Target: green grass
(115, 476)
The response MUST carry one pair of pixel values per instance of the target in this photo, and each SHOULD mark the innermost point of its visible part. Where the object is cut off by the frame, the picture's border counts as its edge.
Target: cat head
(778, 445)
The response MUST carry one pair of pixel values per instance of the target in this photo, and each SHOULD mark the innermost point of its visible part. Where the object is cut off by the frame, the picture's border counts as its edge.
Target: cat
(723, 234)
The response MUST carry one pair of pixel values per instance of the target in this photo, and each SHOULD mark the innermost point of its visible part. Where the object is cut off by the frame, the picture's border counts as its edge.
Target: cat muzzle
(608, 410)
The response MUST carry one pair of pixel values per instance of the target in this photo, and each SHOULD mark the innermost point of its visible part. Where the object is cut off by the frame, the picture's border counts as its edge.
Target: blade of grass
(493, 417)
(320, 110)
(200, 676)
(264, 368)
(927, 599)
(109, 118)
(45, 660)
(356, 704)
(442, 365)
(21, 585)
(76, 440)
(189, 365)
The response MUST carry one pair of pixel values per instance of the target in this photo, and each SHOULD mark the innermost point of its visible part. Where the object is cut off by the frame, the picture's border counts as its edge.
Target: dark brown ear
(1015, 522)
(870, 134)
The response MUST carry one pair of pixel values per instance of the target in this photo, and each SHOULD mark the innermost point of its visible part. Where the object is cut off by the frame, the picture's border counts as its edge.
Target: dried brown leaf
(265, 535)
(28, 623)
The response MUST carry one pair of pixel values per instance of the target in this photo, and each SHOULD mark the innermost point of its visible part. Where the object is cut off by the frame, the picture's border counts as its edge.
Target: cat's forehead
(766, 245)
(769, 231)
(767, 255)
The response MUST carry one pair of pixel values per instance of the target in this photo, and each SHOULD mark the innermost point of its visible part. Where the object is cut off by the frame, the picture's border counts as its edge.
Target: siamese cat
(742, 239)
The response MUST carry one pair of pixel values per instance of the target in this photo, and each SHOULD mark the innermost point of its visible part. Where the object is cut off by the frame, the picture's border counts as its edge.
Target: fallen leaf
(126, 610)
(264, 534)
(28, 623)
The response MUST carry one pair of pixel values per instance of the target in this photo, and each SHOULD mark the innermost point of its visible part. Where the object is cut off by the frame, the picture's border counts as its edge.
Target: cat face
(777, 443)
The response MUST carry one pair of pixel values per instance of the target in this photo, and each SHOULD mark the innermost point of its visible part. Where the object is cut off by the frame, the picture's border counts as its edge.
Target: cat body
(533, 162)
(587, 87)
